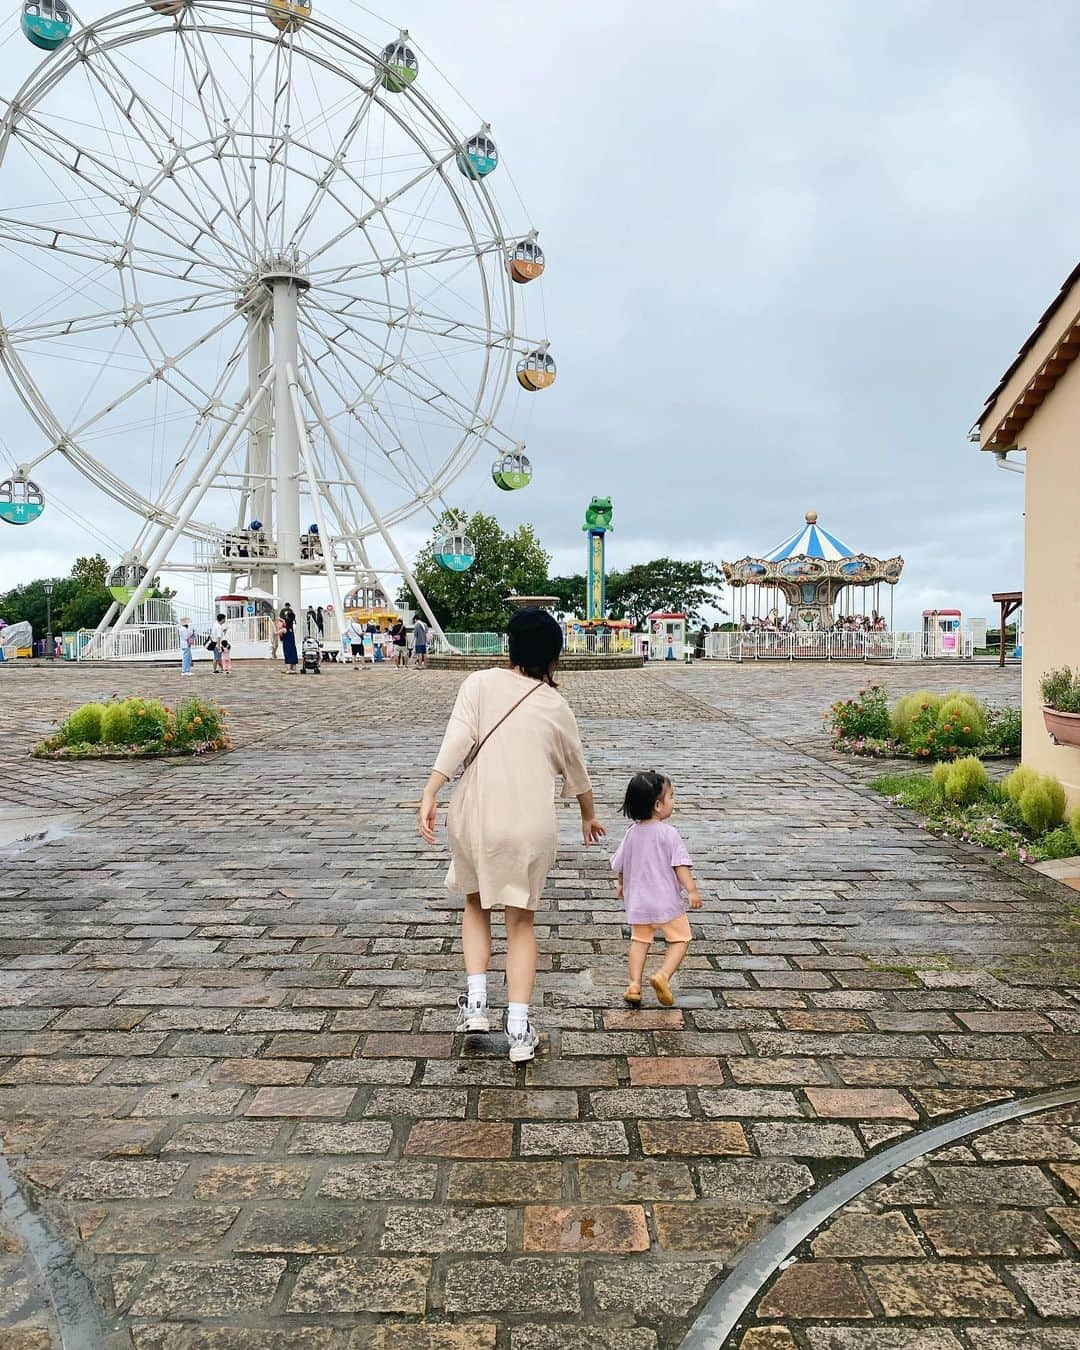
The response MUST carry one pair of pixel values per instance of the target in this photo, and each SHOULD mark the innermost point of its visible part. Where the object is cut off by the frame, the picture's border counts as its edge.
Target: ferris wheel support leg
(316, 496)
(388, 538)
(209, 468)
(108, 617)
(286, 444)
(258, 494)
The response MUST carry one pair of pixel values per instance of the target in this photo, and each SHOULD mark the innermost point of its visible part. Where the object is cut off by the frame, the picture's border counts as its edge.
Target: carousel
(810, 574)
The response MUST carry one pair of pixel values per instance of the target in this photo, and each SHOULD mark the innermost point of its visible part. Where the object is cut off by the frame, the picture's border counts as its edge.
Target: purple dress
(646, 859)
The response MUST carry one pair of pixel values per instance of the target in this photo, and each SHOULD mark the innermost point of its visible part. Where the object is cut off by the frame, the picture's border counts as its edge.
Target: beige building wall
(1052, 567)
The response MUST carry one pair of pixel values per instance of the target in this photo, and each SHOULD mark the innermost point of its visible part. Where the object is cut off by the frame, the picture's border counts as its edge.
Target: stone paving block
(632, 1180)
(586, 1228)
(403, 1045)
(137, 1179)
(440, 1228)
(176, 1230)
(525, 1286)
(812, 1290)
(451, 1139)
(533, 1104)
(572, 1073)
(188, 1099)
(505, 1182)
(708, 1227)
(410, 1336)
(1053, 1287)
(606, 1043)
(860, 1104)
(653, 1291)
(1027, 1141)
(301, 1102)
(807, 1140)
(640, 1103)
(968, 1231)
(232, 1136)
(780, 1071)
(352, 1284)
(754, 1181)
(927, 1289)
(1000, 1185)
(851, 1234)
(1069, 1174)
(380, 1181)
(562, 1337)
(587, 1138)
(694, 1137)
(261, 1072)
(886, 1338)
(367, 1072)
(682, 1071)
(209, 1288)
(1068, 1220)
(245, 1181)
(748, 1102)
(307, 1229)
(418, 1103)
(342, 1137)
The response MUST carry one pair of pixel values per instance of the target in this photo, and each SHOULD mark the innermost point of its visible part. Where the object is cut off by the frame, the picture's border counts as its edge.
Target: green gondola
(479, 156)
(46, 23)
(402, 66)
(512, 471)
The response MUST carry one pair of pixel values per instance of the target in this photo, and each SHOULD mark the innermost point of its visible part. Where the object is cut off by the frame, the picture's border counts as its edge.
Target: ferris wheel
(255, 286)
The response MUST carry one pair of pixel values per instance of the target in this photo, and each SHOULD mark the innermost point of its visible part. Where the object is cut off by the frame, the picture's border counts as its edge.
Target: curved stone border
(69, 1292)
(721, 1314)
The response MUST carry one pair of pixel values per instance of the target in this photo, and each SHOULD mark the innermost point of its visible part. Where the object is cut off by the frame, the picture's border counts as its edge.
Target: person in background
(399, 641)
(420, 641)
(187, 639)
(288, 639)
(354, 635)
(277, 627)
(217, 636)
(226, 655)
(310, 625)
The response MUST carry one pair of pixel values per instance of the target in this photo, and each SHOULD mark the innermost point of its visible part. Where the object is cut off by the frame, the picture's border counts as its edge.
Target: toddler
(653, 870)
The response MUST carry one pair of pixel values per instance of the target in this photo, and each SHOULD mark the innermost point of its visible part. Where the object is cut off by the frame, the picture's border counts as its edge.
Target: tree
(475, 601)
(78, 601)
(666, 584)
(571, 593)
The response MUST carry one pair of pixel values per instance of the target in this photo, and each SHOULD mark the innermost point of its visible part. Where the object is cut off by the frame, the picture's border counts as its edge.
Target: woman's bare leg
(520, 954)
(476, 936)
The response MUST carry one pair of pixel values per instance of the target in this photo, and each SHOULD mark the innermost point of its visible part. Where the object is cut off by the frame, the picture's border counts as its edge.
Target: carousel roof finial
(811, 517)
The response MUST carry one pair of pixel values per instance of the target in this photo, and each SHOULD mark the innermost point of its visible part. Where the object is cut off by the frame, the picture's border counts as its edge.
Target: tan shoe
(662, 990)
(632, 996)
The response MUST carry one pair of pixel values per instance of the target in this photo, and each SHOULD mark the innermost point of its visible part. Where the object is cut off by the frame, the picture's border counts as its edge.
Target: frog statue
(598, 514)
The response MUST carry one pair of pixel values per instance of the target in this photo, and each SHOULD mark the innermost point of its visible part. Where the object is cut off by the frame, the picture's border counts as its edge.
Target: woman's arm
(591, 829)
(425, 817)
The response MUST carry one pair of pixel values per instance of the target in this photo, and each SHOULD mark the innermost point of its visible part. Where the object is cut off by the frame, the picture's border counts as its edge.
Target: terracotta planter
(1064, 727)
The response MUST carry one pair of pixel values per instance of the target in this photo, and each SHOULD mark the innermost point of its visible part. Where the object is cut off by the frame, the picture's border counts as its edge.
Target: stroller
(311, 655)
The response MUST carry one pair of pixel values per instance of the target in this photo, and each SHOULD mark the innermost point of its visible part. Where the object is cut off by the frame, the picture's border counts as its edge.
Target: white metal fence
(762, 645)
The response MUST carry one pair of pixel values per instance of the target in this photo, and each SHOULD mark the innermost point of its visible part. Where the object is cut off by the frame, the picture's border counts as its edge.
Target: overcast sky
(791, 248)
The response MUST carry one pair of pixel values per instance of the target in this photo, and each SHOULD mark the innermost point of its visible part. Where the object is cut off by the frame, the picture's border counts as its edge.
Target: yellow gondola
(170, 7)
(536, 371)
(288, 15)
(525, 261)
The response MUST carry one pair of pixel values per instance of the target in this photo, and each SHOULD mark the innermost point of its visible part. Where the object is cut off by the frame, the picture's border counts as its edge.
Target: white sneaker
(523, 1044)
(471, 1016)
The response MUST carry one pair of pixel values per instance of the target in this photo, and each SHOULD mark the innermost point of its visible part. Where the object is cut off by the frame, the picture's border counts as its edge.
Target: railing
(145, 641)
(764, 645)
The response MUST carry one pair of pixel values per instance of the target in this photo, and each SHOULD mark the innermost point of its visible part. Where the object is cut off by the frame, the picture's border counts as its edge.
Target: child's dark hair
(642, 794)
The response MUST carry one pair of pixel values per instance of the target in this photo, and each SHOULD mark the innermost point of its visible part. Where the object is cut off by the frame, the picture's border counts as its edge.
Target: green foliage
(1003, 729)
(78, 601)
(83, 726)
(1059, 843)
(1074, 825)
(475, 601)
(149, 721)
(858, 718)
(1039, 805)
(961, 720)
(1013, 784)
(925, 739)
(1060, 689)
(571, 593)
(965, 780)
(906, 709)
(116, 723)
(670, 584)
(938, 775)
(195, 723)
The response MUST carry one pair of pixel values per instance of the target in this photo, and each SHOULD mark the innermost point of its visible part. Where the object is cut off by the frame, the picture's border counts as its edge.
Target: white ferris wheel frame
(290, 349)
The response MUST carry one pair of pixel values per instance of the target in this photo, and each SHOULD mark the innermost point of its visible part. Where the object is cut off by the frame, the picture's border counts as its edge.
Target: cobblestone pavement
(228, 1077)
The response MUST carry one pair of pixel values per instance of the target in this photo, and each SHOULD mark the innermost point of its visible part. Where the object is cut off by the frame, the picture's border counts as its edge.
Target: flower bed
(138, 728)
(1020, 818)
(923, 725)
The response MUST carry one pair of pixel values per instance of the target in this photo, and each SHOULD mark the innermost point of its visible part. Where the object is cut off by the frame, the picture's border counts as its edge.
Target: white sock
(517, 1018)
(478, 989)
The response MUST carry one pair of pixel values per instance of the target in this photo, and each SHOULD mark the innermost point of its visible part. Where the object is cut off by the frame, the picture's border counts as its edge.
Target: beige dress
(502, 815)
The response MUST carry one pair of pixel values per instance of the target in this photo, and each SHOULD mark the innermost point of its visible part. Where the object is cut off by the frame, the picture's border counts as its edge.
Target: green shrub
(1074, 825)
(924, 739)
(83, 727)
(961, 720)
(148, 719)
(906, 709)
(116, 724)
(1003, 729)
(966, 780)
(1013, 784)
(1042, 804)
(862, 717)
(938, 777)
(197, 722)
(1060, 689)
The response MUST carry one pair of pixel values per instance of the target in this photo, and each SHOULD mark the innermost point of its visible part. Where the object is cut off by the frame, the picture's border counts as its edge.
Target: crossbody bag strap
(513, 708)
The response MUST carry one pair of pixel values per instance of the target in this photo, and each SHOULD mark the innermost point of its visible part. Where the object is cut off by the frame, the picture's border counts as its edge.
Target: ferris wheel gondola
(536, 370)
(402, 65)
(512, 471)
(525, 261)
(288, 15)
(455, 551)
(46, 23)
(21, 501)
(479, 156)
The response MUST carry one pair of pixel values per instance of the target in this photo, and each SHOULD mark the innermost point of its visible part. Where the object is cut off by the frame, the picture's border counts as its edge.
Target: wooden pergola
(1010, 602)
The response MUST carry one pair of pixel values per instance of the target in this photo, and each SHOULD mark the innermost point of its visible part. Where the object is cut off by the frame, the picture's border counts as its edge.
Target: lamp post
(48, 612)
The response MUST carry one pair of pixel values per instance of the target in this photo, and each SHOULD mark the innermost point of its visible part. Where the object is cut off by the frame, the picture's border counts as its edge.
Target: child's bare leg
(476, 936)
(674, 956)
(639, 952)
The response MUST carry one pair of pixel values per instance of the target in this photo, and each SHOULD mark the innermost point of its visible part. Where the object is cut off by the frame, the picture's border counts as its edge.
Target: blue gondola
(479, 157)
(46, 23)
(21, 501)
(455, 552)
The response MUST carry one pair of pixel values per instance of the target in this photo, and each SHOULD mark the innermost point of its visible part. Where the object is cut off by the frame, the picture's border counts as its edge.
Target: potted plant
(1061, 705)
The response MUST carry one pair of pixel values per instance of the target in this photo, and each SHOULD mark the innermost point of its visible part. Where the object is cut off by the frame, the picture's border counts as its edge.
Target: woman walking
(515, 734)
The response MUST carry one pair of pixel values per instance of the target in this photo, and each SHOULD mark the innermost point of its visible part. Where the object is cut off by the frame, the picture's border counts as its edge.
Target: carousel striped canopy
(810, 542)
